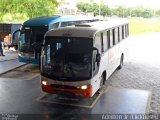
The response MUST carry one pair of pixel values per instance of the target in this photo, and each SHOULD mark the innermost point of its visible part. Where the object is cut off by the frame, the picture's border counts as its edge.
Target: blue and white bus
(31, 34)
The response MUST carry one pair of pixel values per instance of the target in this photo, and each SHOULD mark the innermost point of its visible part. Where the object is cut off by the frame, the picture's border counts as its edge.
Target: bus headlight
(84, 87)
(44, 83)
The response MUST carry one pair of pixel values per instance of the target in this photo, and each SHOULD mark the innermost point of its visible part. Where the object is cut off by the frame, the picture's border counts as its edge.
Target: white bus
(77, 60)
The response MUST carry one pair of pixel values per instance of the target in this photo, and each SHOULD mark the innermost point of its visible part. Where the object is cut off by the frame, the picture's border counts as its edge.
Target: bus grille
(63, 86)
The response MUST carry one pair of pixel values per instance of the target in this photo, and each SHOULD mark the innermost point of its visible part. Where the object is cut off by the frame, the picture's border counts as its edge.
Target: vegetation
(94, 8)
(141, 19)
(141, 25)
(119, 11)
(27, 8)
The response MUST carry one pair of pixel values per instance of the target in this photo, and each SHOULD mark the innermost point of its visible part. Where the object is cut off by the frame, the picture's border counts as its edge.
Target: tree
(5, 7)
(118, 11)
(94, 8)
(35, 8)
(32, 8)
(157, 13)
(105, 10)
(82, 6)
(142, 12)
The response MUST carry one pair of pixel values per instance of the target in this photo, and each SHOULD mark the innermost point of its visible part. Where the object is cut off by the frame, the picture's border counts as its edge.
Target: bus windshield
(64, 58)
(31, 37)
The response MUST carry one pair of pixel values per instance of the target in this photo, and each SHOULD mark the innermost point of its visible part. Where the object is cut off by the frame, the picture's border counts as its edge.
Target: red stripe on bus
(87, 93)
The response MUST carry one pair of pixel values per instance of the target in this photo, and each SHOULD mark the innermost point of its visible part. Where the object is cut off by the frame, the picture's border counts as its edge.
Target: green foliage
(119, 11)
(104, 10)
(94, 8)
(157, 13)
(142, 12)
(35, 8)
(31, 8)
(5, 7)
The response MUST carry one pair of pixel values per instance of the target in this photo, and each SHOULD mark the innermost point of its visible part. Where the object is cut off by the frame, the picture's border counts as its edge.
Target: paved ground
(141, 68)
(9, 55)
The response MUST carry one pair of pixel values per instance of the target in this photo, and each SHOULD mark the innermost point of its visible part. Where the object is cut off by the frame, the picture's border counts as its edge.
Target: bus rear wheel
(121, 62)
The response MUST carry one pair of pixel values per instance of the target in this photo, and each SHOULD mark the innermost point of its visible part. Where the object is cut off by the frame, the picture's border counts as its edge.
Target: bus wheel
(101, 83)
(121, 62)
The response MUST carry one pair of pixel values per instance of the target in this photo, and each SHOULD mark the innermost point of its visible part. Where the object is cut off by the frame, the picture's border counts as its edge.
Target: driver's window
(98, 42)
(46, 60)
(98, 46)
(95, 64)
(22, 38)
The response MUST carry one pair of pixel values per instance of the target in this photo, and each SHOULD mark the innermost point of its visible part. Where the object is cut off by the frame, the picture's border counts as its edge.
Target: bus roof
(40, 21)
(46, 21)
(86, 29)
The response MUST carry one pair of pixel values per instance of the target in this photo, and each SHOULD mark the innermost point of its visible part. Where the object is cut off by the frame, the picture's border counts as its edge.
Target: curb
(8, 60)
(12, 69)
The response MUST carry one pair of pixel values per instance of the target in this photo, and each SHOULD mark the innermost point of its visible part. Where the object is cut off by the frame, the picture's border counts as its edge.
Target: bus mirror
(94, 48)
(13, 34)
(98, 58)
(22, 31)
(98, 55)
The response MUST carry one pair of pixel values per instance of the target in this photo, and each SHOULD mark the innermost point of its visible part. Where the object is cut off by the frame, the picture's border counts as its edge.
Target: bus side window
(123, 32)
(105, 41)
(102, 43)
(54, 26)
(63, 24)
(108, 38)
(127, 33)
(72, 23)
(120, 33)
(78, 22)
(116, 36)
(111, 38)
(98, 42)
(113, 32)
(128, 29)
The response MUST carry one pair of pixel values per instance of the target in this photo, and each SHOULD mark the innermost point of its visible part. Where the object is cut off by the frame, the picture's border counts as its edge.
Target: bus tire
(102, 81)
(121, 62)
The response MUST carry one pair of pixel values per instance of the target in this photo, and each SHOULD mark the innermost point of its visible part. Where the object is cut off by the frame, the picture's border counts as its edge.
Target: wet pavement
(9, 55)
(8, 65)
(21, 99)
(9, 61)
(140, 73)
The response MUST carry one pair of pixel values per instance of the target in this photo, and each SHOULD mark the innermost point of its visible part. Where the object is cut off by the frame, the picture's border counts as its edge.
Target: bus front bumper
(86, 93)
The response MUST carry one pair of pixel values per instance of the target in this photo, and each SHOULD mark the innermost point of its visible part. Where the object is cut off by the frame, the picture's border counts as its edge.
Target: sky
(131, 3)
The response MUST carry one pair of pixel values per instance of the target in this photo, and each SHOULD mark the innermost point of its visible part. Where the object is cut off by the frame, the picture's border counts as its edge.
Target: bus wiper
(36, 44)
(71, 69)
